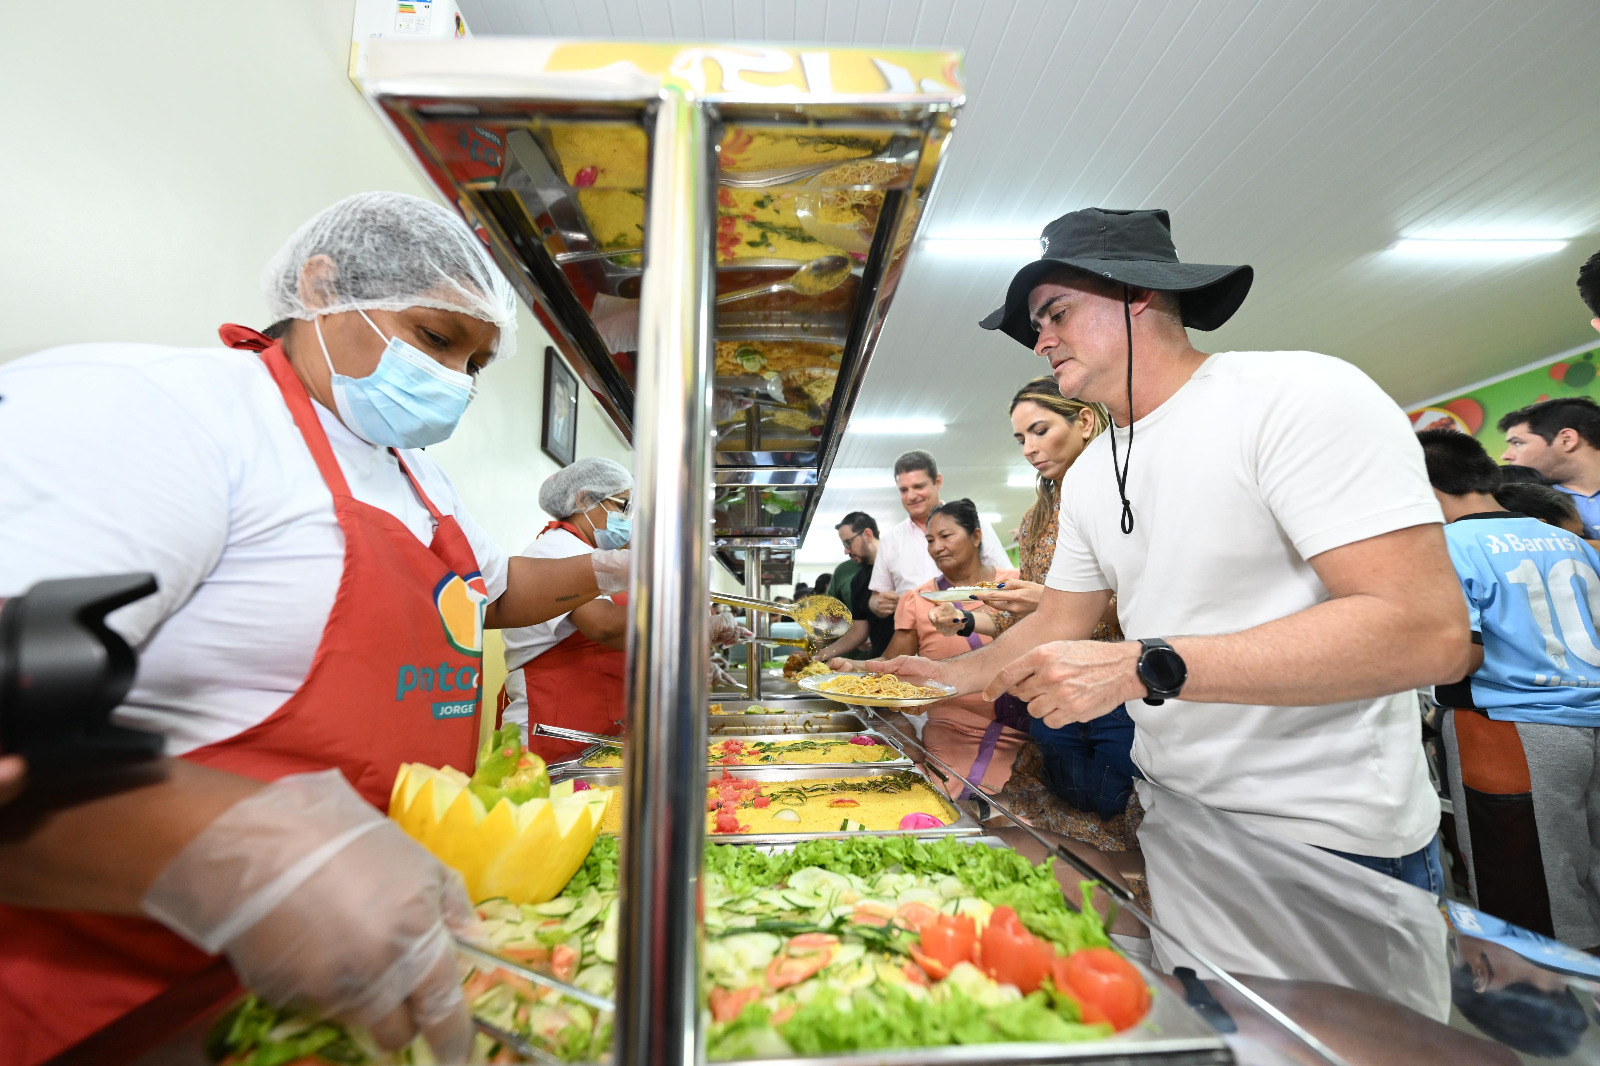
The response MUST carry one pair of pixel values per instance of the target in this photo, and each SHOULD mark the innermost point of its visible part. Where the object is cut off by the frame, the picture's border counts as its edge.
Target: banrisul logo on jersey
(461, 603)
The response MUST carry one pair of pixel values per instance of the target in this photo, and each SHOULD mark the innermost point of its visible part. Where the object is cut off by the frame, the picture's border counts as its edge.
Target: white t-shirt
(528, 643)
(186, 463)
(903, 561)
(1259, 462)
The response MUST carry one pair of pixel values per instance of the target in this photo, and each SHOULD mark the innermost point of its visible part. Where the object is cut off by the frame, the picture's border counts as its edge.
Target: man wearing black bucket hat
(1276, 545)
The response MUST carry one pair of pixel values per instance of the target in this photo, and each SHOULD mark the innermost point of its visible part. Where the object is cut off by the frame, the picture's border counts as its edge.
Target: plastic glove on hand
(611, 569)
(725, 631)
(320, 901)
(720, 677)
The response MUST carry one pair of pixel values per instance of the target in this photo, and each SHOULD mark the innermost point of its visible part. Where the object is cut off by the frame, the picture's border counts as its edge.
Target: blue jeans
(1090, 764)
(1421, 868)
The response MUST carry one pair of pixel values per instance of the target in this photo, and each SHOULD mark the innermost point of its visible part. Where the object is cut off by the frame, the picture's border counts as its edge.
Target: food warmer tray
(746, 725)
(964, 826)
(574, 765)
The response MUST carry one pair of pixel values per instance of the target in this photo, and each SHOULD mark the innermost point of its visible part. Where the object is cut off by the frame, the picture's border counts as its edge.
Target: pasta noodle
(883, 686)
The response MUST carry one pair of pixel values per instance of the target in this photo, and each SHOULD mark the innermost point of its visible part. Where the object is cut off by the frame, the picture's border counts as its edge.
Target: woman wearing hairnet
(319, 621)
(568, 671)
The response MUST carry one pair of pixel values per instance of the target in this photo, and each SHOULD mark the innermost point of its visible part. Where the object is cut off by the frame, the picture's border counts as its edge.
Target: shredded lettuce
(254, 1034)
(599, 870)
(889, 1017)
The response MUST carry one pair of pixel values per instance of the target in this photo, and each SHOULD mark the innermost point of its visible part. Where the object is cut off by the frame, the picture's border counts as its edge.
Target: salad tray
(900, 761)
(964, 825)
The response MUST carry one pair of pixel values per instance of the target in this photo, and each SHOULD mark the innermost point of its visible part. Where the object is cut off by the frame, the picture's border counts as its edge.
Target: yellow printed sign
(764, 72)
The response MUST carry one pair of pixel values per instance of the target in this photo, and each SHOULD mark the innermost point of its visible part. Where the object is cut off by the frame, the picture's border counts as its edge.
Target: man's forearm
(972, 670)
(102, 854)
(855, 637)
(1354, 647)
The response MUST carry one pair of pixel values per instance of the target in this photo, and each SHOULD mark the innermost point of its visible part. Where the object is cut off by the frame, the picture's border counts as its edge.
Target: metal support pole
(663, 831)
(760, 621)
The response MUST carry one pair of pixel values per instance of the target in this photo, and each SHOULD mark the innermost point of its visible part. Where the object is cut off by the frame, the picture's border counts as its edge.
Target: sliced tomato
(871, 912)
(801, 957)
(786, 970)
(727, 822)
(1104, 979)
(844, 803)
(931, 966)
(1012, 955)
(564, 962)
(807, 942)
(727, 1005)
(915, 915)
(781, 1015)
(538, 954)
(948, 939)
(914, 974)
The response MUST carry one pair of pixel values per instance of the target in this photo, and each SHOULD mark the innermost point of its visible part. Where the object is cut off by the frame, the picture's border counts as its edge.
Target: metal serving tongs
(484, 958)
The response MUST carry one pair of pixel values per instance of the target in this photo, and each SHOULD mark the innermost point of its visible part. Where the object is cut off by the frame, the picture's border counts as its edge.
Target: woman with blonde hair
(1087, 765)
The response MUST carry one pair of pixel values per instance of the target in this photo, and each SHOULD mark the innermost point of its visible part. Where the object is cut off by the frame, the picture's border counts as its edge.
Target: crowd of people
(1337, 564)
(1244, 616)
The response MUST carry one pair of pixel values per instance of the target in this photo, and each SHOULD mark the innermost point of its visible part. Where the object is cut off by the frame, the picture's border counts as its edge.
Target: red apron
(576, 685)
(394, 679)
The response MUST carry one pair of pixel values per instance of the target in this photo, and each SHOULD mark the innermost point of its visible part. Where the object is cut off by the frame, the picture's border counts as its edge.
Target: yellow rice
(878, 811)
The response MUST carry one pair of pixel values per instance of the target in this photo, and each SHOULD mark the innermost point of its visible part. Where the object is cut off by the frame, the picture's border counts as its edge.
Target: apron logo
(461, 604)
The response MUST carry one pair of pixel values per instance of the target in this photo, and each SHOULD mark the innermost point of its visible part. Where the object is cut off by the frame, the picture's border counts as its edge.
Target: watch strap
(969, 623)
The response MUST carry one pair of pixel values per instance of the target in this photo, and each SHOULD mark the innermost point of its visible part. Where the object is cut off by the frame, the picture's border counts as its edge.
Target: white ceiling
(1302, 137)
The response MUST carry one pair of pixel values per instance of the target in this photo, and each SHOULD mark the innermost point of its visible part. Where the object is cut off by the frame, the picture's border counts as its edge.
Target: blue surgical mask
(618, 531)
(408, 401)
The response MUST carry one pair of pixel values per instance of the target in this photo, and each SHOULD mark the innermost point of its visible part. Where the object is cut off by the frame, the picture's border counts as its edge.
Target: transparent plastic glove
(720, 677)
(320, 901)
(725, 631)
(611, 569)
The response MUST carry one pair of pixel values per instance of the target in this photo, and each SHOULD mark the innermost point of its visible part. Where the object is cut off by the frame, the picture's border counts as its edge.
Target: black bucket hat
(1133, 248)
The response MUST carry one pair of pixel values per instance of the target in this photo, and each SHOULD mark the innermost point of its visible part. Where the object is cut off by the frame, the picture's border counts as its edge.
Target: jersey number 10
(1580, 637)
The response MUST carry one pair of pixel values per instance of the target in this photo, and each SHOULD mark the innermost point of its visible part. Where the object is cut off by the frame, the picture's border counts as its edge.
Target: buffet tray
(966, 825)
(812, 722)
(574, 765)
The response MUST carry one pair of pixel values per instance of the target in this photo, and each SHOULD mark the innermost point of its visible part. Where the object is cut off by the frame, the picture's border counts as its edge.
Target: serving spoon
(823, 619)
(821, 275)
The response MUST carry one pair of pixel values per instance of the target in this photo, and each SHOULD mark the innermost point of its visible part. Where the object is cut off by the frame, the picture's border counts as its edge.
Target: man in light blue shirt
(1560, 439)
(1523, 732)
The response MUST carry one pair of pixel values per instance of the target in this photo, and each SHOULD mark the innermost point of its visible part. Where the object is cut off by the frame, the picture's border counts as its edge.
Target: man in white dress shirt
(903, 560)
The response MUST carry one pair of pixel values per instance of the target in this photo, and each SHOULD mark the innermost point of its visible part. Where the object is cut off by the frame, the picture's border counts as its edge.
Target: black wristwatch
(1162, 670)
(967, 626)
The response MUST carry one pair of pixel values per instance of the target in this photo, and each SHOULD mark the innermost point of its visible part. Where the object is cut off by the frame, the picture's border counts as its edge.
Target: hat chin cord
(1122, 474)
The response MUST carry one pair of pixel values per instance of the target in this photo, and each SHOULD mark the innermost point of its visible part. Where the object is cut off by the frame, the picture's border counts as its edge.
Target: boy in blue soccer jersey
(1523, 733)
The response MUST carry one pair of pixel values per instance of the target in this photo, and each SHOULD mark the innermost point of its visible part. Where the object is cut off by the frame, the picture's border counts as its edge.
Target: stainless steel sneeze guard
(663, 828)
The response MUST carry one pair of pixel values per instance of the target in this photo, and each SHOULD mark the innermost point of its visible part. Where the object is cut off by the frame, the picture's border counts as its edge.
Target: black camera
(62, 672)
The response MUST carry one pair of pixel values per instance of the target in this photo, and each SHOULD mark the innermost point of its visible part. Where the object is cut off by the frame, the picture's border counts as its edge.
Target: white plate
(815, 682)
(953, 594)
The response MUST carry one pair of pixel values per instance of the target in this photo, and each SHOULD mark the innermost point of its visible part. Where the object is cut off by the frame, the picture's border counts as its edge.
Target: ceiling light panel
(884, 427)
(1474, 248)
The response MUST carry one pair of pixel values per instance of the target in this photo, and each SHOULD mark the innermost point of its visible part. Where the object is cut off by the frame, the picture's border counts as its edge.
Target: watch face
(1162, 669)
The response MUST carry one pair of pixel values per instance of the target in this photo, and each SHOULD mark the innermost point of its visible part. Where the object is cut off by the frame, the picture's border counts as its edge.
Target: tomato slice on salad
(946, 940)
(727, 1005)
(1012, 955)
(803, 956)
(1104, 980)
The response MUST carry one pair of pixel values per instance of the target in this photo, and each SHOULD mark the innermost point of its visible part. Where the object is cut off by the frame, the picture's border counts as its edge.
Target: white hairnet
(391, 251)
(582, 485)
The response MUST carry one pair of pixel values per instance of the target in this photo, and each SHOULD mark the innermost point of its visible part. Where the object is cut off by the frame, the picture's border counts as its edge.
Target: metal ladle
(823, 619)
(821, 275)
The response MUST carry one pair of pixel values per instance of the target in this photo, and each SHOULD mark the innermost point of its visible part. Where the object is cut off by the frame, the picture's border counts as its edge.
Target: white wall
(155, 157)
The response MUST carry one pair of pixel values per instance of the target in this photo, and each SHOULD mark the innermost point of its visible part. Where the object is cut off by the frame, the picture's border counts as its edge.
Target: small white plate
(953, 594)
(815, 682)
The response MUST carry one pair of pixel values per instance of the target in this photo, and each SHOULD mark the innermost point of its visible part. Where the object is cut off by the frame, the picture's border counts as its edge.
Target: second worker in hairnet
(568, 671)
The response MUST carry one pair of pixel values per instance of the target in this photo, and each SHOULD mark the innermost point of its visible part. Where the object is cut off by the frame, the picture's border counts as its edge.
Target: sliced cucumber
(554, 908)
(585, 912)
(785, 814)
(850, 826)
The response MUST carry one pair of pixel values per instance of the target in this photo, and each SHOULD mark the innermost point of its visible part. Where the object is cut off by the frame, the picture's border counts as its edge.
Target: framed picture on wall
(560, 437)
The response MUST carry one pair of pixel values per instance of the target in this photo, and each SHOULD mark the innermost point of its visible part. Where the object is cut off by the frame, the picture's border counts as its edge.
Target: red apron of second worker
(568, 672)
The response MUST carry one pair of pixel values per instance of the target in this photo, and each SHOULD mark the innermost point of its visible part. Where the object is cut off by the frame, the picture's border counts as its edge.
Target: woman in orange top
(961, 731)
